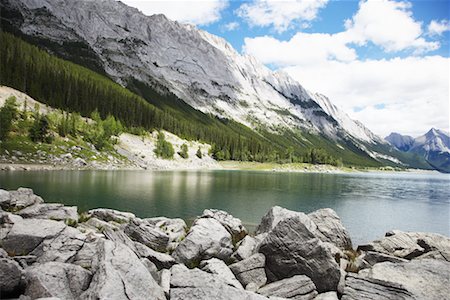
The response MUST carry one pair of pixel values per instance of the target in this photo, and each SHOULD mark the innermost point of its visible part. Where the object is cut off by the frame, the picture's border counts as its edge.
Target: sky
(386, 63)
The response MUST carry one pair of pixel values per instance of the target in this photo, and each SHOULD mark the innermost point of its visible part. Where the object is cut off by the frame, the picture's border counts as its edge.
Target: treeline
(73, 88)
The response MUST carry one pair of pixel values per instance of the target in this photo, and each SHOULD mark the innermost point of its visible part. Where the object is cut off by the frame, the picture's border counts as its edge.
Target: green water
(368, 204)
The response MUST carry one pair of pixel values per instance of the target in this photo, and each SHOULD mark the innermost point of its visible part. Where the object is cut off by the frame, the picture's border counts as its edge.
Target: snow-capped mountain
(434, 146)
(401, 142)
(200, 68)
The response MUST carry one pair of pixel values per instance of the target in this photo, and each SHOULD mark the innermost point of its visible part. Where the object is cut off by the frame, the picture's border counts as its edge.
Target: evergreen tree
(39, 131)
(184, 151)
(164, 149)
(8, 114)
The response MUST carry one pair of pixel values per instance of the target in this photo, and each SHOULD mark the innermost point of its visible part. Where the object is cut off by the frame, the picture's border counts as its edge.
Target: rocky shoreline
(51, 250)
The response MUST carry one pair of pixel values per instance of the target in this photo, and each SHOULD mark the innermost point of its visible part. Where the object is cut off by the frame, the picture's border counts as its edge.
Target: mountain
(154, 56)
(434, 146)
(401, 142)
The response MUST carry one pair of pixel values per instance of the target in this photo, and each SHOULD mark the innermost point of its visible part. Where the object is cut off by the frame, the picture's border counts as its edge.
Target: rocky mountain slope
(201, 69)
(434, 146)
(49, 250)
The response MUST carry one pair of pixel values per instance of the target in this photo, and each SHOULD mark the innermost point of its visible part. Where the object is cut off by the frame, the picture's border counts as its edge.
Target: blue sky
(385, 62)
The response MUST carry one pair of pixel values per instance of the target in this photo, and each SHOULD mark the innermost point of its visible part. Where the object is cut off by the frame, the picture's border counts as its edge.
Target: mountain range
(154, 57)
(434, 146)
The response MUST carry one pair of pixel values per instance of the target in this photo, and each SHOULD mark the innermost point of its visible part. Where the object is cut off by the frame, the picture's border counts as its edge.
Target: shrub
(164, 149)
(184, 151)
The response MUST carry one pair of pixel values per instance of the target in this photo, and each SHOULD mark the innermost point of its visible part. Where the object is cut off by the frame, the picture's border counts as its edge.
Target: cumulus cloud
(280, 14)
(438, 27)
(198, 12)
(387, 24)
(408, 95)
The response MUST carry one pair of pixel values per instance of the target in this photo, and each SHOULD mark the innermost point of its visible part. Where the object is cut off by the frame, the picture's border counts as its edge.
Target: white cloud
(414, 91)
(198, 12)
(280, 14)
(302, 48)
(231, 26)
(438, 27)
(387, 24)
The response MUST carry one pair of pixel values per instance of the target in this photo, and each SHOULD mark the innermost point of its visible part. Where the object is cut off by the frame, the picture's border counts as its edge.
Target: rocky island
(49, 250)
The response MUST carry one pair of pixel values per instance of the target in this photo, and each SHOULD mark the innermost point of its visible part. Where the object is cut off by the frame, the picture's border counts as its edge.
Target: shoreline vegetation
(52, 250)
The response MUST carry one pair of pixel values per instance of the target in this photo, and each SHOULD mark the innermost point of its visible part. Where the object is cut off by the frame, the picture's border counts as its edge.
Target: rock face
(292, 249)
(251, 270)
(119, 274)
(298, 287)
(197, 284)
(417, 279)
(207, 238)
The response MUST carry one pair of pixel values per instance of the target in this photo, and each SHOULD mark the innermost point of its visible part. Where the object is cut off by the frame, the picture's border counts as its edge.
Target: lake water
(369, 204)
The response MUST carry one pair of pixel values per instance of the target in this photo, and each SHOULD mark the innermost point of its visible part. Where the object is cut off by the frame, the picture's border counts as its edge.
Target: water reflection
(369, 204)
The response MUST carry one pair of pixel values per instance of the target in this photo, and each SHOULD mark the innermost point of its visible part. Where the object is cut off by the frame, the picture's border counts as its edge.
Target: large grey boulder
(248, 246)
(53, 211)
(219, 268)
(17, 200)
(119, 274)
(200, 285)
(277, 214)
(27, 234)
(11, 274)
(175, 228)
(298, 287)
(410, 245)
(232, 224)
(416, 279)
(108, 215)
(54, 279)
(292, 249)
(207, 238)
(148, 235)
(330, 227)
(251, 270)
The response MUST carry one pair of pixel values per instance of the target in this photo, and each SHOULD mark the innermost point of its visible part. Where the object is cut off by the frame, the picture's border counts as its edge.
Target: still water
(369, 204)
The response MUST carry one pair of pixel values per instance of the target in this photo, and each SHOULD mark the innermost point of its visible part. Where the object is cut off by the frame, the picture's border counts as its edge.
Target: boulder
(207, 238)
(62, 247)
(174, 228)
(27, 234)
(54, 279)
(331, 229)
(17, 200)
(277, 214)
(251, 270)
(148, 235)
(292, 249)
(232, 224)
(86, 256)
(416, 279)
(410, 245)
(53, 211)
(11, 274)
(161, 260)
(100, 225)
(248, 246)
(219, 268)
(298, 287)
(108, 215)
(370, 258)
(164, 281)
(119, 274)
(200, 285)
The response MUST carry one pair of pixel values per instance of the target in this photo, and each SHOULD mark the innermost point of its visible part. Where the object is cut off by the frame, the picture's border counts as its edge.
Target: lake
(369, 204)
